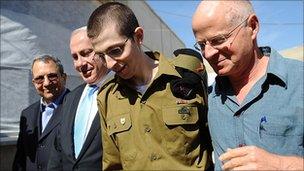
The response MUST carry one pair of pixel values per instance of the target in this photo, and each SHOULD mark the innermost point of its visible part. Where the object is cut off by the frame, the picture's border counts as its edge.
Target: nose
(46, 81)
(110, 63)
(80, 61)
(210, 51)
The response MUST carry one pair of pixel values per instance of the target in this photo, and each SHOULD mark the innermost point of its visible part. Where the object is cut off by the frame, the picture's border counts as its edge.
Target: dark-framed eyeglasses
(114, 51)
(218, 40)
(53, 77)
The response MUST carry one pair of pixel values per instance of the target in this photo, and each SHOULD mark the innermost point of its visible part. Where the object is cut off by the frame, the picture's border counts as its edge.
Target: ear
(64, 77)
(139, 35)
(253, 23)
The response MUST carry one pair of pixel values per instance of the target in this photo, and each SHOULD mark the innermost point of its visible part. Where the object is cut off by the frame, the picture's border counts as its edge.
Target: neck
(244, 81)
(147, 71)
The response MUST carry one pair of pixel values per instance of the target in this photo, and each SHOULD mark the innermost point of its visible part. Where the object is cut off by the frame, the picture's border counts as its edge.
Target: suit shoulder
(31, 108)
(76, 91)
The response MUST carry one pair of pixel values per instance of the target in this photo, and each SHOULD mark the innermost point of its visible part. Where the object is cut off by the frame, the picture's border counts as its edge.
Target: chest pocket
(119, 123)
(180, 114)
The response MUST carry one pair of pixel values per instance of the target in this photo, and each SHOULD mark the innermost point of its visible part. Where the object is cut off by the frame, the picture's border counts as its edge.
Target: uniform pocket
(119, 123)
(181, 138)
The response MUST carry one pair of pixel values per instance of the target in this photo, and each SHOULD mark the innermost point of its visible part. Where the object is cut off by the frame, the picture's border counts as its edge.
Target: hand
(250, 158)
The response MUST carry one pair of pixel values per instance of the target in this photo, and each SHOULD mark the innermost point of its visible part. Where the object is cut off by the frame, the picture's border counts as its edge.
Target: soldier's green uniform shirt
(155, 130)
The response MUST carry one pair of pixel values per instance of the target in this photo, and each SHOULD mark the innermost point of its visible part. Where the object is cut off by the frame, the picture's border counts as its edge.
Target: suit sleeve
(20, 158)
(55, 160)
(111, 157)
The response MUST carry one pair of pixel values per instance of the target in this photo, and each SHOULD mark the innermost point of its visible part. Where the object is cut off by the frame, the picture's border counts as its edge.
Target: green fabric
(154, 131)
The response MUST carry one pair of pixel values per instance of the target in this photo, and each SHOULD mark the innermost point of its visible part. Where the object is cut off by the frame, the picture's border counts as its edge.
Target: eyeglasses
(218, 40)
(114, 51)
(40, 79)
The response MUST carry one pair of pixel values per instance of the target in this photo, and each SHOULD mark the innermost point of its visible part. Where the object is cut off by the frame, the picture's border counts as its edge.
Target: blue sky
(281, 22)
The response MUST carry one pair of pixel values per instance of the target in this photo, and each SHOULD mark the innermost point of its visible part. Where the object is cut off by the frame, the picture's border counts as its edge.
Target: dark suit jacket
(33, 147)
(62, 156)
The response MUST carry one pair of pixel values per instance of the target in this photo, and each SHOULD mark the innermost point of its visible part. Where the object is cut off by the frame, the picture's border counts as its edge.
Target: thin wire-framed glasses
(113, 52)
(218, 40)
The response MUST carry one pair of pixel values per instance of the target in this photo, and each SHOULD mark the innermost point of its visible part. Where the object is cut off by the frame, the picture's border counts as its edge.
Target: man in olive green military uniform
(152, 117)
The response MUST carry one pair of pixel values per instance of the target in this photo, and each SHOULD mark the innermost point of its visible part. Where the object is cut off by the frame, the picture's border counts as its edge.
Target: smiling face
(52, 84)
(86, 62)
(235, 55)
(128, 62)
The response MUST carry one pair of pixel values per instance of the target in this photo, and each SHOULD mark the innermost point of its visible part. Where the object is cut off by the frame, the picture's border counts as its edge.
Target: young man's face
(47, 80)
(120, 53)
(90, 67)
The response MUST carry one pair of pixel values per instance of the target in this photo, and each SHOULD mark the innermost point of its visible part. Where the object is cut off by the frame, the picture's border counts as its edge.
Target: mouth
(86, 72)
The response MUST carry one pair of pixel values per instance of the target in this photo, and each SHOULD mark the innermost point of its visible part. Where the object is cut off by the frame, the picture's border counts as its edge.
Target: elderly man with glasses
(255, 111)
(38, 122)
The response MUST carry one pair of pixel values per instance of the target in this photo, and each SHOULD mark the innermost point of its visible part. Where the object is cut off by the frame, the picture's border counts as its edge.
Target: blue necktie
(46, 115)
(81, 119)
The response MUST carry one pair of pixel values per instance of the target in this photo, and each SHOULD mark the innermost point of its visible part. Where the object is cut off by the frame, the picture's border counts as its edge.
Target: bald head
(229, 12)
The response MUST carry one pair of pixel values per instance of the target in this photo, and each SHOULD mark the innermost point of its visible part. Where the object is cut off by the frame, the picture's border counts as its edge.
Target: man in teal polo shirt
(255, 112)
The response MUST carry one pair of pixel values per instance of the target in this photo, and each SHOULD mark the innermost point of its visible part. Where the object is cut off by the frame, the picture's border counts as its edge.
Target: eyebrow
(110, 47)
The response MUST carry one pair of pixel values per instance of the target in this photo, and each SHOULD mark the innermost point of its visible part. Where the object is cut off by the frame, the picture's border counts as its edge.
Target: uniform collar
(164, 68)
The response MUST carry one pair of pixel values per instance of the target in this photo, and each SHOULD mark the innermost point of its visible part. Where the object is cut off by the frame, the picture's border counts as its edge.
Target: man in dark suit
(78, 141)
(38, 122)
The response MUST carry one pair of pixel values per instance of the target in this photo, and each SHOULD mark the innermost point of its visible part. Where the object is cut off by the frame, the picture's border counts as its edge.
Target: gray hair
(83, 28)
(238, 11)
(46, 59)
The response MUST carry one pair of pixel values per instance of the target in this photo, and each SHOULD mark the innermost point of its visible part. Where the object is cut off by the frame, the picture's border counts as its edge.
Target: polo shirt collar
(276, 65)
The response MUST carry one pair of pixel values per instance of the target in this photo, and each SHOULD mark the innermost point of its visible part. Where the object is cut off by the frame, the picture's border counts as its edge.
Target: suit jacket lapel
(69, 122)
(54, 121)
(93, 131)
(37, 111)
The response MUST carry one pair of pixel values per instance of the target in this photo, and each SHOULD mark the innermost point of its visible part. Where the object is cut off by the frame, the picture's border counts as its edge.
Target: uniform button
(153, 157)
(39, 166)
(147, 129)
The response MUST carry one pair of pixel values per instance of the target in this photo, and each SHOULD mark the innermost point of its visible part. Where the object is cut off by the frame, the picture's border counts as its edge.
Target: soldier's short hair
(112, 12)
